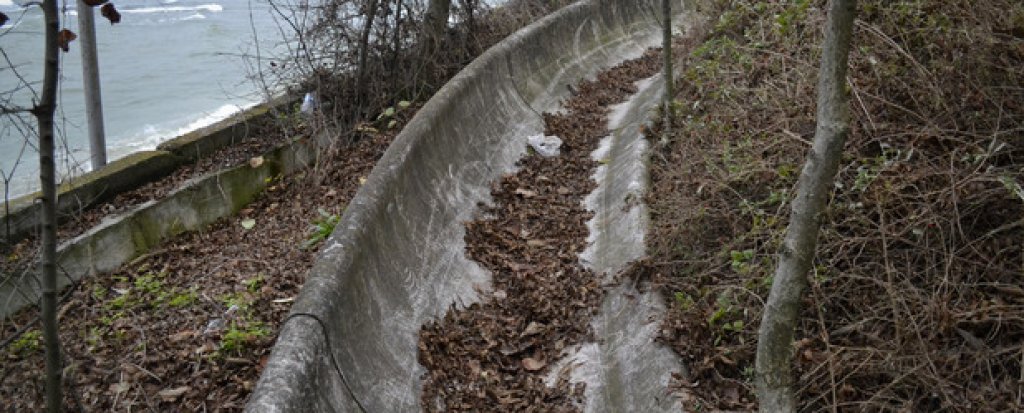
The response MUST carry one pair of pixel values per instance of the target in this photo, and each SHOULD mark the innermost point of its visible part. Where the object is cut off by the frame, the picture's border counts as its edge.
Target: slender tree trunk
(44, 111)
(666, 45)
(470, 7)
(435, 23)
(364, 49)
(778, 325)
(397, 42)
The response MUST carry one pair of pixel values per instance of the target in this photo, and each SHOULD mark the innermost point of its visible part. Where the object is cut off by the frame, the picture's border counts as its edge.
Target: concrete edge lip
(397, 259)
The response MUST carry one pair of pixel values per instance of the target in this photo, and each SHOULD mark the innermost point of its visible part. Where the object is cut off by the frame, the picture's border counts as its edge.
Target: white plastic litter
(215, 326)
(546, 146)
(309, 103)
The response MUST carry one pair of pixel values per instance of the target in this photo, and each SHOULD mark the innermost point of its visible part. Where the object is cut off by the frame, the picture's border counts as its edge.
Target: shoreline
(148, 138)
(137, 169)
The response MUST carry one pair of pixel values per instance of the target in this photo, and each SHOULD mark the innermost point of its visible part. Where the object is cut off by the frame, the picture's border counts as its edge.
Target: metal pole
(91, 83)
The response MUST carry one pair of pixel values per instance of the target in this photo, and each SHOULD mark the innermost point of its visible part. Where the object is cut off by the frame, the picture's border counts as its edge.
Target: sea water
(169, 67)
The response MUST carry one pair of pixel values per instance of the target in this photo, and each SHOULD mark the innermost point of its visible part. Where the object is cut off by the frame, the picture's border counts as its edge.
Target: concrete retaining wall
(122, 238)
(135, 170)
(397, 259)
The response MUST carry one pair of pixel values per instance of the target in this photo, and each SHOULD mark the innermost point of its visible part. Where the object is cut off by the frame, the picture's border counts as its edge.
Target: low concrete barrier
(124, 237)
(397, 259)
(22, 218)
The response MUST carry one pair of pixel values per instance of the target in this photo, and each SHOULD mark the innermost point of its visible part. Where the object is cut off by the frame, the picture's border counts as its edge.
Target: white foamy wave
(218, 115)
(151, 136)
(9, 7)
(212, 8)
(197, 16)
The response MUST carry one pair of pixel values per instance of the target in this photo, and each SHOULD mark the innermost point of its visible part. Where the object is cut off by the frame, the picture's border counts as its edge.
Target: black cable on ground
(334, 361)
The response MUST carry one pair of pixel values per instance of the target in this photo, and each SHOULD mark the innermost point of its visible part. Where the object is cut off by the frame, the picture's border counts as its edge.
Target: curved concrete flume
(397, 259)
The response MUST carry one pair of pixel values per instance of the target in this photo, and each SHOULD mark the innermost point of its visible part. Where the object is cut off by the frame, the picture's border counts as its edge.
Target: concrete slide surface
(397, 259)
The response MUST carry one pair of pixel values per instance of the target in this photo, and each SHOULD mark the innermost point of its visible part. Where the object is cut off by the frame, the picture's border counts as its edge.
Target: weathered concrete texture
(625, 370)
(121, 175)
(117, 240)
(398, 257)
(617, 229)
(135, 170)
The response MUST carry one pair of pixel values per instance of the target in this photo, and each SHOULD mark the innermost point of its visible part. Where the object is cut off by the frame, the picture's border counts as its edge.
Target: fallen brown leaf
(182, 335)
(533, 364)
(533, 328)
(169, 395)
(119, 387)
(526, 193)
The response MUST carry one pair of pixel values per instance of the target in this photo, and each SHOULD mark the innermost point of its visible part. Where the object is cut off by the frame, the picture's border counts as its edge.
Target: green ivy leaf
(248, 223)
(1012, 186)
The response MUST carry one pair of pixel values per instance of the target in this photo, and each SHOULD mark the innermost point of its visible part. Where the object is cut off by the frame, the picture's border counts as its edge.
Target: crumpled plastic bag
(546, 146)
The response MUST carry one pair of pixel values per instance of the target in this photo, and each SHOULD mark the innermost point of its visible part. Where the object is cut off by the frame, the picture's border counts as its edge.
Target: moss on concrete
(119, 176)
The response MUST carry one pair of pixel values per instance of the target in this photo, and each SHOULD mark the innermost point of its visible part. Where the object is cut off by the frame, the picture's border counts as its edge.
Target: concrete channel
(398, 257)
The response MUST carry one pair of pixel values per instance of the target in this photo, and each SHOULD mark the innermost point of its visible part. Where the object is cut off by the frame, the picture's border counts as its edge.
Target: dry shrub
(325, 53)
(915, 301)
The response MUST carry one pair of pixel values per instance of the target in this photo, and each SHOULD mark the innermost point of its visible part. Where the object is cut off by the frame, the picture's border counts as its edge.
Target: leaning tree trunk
(775, 338)
(44, 111)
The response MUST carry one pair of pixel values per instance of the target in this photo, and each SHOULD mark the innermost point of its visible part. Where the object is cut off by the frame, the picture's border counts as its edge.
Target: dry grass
(916, 301)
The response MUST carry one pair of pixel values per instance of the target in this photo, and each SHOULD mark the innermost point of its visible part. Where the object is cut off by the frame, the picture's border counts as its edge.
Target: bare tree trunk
(364, 48)
(397, 42)
(778, 325)
(435, 23)
(44, 111)
(666, 45)
(469, 6)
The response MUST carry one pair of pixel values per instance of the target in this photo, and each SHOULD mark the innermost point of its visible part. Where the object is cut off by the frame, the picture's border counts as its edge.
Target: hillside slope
(916, 302)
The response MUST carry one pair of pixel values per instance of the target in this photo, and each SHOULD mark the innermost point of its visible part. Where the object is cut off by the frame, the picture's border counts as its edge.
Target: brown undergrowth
(494, 355)
(915, 300)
